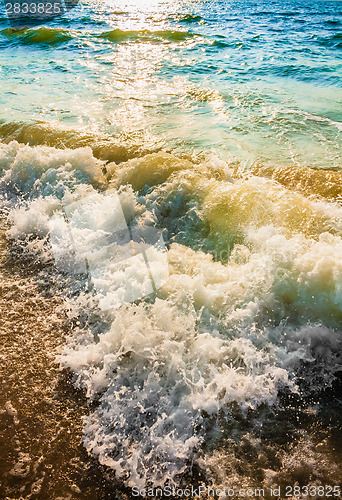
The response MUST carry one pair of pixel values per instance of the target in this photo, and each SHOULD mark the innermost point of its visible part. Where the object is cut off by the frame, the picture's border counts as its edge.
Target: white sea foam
(215, 338)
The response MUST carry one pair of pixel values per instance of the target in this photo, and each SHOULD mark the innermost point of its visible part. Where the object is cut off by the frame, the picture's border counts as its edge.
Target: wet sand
(42, 455)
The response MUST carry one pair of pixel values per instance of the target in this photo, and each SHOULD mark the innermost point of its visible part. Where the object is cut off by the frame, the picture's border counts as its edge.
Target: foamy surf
(250, 309)
(171, 200)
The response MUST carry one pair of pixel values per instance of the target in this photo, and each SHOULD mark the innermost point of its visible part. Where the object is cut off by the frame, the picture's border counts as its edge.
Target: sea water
(217, 123)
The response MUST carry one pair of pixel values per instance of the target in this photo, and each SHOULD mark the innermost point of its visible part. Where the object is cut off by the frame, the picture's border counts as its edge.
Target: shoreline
(40, 411)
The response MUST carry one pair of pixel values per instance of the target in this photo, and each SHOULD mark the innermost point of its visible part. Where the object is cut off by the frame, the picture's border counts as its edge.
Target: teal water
(263, 79)
(218, 124)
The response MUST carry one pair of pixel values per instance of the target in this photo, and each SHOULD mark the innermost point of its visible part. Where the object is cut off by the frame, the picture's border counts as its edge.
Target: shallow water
(264, 80)
(218, 124)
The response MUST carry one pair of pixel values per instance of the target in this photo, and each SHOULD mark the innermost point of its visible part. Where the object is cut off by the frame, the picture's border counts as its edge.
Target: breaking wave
(252, 305)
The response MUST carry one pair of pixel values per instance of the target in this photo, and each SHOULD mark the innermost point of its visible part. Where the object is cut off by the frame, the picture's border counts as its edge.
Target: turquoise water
(263, 79)
(217, 124)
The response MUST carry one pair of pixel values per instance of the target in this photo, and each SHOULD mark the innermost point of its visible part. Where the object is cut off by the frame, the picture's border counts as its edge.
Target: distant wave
(56, 36)
(42, 35)
(186, 18)
(165, 35)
